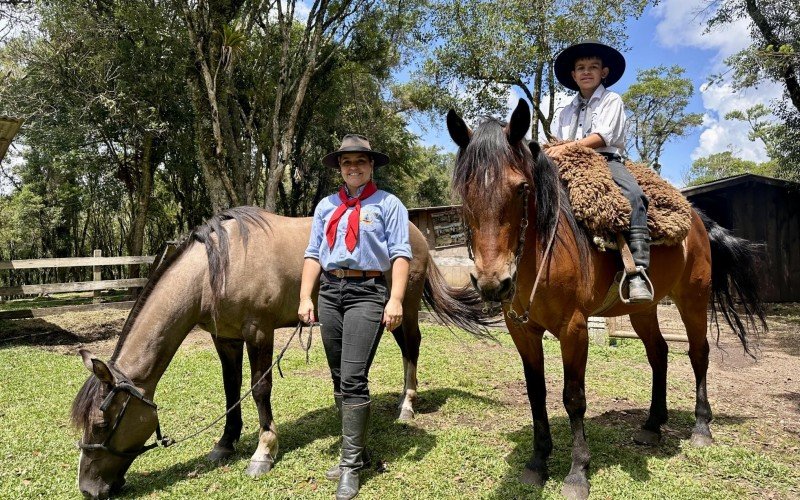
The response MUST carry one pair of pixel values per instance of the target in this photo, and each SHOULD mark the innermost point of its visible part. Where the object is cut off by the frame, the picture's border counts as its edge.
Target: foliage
(657, 104)
(722, 165)
(480, 50)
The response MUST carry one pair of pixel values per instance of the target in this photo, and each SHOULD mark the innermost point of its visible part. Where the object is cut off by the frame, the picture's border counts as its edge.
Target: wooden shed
(763, 210)
(444, 230)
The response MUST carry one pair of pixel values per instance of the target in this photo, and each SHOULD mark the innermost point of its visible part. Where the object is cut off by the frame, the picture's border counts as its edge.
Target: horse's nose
(492, 289)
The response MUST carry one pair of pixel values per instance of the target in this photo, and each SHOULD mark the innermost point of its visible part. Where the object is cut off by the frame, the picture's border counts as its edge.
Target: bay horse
(237, 276)
(495, 170)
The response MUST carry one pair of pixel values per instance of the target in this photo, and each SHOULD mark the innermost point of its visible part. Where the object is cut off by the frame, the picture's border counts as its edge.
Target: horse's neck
(166, 317)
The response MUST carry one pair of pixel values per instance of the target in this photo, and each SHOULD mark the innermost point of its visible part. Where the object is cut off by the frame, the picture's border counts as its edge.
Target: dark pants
(350, 311)
(631, 190)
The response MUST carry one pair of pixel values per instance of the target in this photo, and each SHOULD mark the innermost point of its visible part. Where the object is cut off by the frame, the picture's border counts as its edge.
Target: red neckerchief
(351, 237)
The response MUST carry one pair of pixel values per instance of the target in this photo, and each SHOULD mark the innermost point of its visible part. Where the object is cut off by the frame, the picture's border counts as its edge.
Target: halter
(165, 441)
(132, 392)
(523, 318)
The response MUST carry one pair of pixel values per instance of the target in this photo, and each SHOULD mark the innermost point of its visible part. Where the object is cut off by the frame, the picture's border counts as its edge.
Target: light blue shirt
(382, 234)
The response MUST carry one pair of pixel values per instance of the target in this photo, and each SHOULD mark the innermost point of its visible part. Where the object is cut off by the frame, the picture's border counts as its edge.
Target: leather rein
(127, 387)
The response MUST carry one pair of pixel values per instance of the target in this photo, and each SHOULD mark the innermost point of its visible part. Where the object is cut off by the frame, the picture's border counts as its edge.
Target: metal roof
(735, 180)
(8, 129)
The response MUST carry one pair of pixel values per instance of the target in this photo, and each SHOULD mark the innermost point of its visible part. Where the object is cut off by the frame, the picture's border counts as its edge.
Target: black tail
(461, 307)
(734, 279)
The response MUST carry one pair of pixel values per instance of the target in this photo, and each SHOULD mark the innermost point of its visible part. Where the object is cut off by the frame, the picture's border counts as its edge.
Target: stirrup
(627, 276)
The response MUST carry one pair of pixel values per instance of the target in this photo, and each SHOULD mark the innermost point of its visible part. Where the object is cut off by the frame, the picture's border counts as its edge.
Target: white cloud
(682, 24)
(561, 100)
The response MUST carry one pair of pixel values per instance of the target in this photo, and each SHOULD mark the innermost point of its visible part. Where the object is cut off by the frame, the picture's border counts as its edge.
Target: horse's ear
(535, 148)
(458, 129)
(520, 122)
(97, 366)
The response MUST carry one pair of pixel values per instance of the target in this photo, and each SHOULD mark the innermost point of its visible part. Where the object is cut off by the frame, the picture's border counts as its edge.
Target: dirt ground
(732, 373)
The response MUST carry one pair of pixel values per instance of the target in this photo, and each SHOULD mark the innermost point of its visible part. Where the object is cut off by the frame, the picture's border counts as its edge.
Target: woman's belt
(354, 273)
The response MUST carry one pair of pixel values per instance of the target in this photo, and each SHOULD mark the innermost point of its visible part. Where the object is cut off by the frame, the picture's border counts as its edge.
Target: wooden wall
(766, 214)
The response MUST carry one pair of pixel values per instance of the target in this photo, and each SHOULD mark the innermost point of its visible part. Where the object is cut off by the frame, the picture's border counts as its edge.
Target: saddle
(599, 205)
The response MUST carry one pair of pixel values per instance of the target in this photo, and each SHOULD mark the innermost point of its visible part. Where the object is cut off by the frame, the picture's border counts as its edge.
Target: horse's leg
(529, 345)
(408, 337)
(260, 355)
(693, 311)
(645, 324)
(574, 352)
(230, 355)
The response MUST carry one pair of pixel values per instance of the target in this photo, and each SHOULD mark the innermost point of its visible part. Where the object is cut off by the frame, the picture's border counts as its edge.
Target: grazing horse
(237, 276)
(495, 171)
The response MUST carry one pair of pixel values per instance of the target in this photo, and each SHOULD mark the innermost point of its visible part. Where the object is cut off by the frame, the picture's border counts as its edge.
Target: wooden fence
(96, 262)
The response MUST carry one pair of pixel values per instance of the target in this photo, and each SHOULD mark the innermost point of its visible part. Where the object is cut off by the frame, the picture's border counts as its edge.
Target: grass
(471, 436)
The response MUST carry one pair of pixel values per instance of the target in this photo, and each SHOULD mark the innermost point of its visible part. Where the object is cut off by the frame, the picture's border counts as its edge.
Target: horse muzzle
(493, 288)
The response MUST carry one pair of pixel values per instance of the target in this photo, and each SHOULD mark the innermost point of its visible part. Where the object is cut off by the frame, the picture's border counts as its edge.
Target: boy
(596, 119)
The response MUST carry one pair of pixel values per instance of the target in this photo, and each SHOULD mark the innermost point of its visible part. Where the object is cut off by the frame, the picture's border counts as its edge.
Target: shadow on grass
(390, 439)
(610, 442)
(34, 332)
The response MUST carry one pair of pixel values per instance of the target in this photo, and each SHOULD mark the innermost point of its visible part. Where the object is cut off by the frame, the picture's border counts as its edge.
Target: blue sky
(674, 33)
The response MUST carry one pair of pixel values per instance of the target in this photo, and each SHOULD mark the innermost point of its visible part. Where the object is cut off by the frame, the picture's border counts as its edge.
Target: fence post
(598, 332)
(97, 275)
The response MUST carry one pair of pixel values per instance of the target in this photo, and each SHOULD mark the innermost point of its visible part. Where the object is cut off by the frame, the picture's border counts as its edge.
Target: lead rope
(166, 441)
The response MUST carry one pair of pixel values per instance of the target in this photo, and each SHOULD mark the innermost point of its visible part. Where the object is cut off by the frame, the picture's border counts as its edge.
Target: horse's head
(116, 420)
(493, 175)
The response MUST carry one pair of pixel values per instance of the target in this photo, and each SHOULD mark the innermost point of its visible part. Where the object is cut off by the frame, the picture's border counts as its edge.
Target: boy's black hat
(565, 62)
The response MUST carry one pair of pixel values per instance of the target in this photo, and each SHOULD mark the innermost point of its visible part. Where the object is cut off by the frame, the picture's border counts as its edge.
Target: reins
(165, 441)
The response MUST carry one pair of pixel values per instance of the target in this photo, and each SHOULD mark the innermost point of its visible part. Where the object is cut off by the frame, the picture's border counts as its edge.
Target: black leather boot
(639, 288)
(334, 472)
(354, 434)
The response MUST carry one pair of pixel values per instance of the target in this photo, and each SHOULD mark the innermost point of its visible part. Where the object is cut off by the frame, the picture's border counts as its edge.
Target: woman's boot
(354, 434)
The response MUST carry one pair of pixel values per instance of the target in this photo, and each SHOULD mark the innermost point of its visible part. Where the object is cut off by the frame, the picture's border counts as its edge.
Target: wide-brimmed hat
(565, 62)
(354, 143)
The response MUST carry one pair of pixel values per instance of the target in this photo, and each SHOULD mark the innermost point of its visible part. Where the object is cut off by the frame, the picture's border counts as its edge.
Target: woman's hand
(393, 314)
(306, 311)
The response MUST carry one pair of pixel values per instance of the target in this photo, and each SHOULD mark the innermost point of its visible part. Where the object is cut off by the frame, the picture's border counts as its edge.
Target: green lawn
(471, 436)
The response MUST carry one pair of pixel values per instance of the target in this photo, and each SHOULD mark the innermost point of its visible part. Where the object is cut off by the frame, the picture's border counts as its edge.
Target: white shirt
(604, 114)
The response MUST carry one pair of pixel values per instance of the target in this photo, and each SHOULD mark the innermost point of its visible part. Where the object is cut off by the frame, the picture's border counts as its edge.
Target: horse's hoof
(533, 477)
(220, 453)
(701, 440)
(258, 468)
(406, 414)
(646, 437)
(575, 488)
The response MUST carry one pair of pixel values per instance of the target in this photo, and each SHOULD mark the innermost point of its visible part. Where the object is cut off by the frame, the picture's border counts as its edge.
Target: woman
(358, 235)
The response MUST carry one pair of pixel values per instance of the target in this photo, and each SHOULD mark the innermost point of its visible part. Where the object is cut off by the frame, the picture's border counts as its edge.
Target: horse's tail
(457, 306)
(218, 248)
(734, 279)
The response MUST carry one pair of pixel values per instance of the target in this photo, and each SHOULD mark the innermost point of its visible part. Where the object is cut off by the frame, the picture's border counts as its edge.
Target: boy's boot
(639, 288)
(354, 434)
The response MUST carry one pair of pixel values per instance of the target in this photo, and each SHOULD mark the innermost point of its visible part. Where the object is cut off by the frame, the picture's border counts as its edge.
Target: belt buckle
(339, 273)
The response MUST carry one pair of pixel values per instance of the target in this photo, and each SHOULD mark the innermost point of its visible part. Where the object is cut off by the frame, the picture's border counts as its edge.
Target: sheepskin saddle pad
(599, 204)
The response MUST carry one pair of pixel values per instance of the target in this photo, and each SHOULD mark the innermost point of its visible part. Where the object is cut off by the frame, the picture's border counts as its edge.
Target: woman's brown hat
(354, 143)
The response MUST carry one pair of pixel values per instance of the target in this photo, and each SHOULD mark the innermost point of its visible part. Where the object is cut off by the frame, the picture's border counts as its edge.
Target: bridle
(523, 318)
(132, 392)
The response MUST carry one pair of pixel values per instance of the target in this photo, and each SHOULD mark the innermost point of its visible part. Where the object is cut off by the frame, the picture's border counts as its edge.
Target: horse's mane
(217, 250)
(484, 162)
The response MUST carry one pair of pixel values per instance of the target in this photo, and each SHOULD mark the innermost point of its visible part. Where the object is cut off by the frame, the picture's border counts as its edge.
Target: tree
(780, 138)
(656, 104)
(721, 165)
(775, 52)
(774, 55)
(481, 49)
